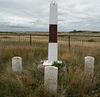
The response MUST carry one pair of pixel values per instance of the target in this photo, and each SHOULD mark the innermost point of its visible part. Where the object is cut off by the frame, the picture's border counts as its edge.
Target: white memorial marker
(52, 46)
(17, 65)
(50, 79)
(89, 65)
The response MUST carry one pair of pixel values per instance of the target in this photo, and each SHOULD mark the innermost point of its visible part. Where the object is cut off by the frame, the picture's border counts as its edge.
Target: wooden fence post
(19, 38)
(30, 40)
(69, 42)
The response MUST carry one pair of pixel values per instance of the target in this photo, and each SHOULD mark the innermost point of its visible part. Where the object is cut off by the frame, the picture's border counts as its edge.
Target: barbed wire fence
(67, 41)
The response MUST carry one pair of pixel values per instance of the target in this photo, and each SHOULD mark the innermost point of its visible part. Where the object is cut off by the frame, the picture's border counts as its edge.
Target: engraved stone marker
(17, 65)
(50, 79)
(89, 65)
(52, 45)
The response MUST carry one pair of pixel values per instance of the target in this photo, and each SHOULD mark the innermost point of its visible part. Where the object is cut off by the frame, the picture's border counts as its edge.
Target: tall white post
(52, 46)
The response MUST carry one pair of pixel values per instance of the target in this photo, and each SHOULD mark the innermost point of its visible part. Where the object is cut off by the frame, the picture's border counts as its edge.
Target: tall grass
(30, 84)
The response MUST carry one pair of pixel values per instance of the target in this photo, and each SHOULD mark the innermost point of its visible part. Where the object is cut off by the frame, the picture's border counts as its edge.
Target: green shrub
(59, 65)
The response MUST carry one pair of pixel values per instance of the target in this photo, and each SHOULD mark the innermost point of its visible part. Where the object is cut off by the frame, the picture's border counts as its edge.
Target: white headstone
(17, 65)
(50, 78)
(89, 65)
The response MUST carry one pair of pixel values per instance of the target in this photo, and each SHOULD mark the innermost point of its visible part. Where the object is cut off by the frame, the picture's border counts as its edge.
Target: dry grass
(14, 85)
(30, 84)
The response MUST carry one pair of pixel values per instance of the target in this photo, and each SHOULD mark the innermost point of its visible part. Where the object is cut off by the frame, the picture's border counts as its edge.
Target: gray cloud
(34, 15)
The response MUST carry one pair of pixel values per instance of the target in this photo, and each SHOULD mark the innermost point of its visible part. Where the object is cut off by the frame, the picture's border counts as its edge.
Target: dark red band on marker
(53, 33)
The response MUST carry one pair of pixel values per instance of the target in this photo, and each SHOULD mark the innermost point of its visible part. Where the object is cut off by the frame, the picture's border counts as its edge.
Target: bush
(91, 40)
(59, 65)
(95, 32)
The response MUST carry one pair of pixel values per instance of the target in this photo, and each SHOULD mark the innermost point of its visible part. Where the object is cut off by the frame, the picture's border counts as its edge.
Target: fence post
(69, 42)
(19, 37)
(30, 40)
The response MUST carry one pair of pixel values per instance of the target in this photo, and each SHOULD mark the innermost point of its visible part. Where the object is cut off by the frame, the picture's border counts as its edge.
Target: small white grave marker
(17, 65)
(50, 78)
(89, 65)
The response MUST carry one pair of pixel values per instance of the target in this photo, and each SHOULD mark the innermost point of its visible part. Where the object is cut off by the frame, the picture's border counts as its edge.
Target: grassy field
(74, 83)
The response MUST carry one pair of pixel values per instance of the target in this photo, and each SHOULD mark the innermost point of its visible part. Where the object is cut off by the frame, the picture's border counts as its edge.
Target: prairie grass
(30, 84)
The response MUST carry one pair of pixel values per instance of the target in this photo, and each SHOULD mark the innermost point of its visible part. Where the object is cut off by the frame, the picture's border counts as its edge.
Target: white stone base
(43, 64)
(46, 62)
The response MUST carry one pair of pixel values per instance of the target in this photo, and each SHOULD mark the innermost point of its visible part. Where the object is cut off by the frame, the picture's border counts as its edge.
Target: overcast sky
(33, 15)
